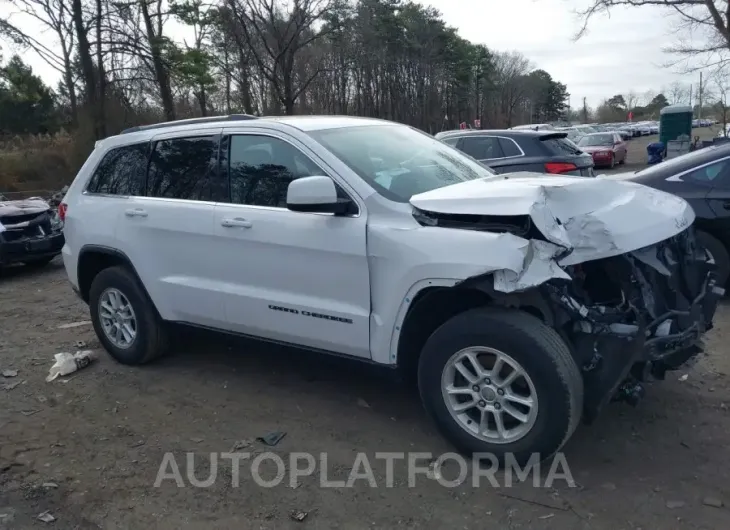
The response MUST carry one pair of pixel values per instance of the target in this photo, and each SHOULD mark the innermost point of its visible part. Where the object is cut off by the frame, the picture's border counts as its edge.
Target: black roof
(509, 133)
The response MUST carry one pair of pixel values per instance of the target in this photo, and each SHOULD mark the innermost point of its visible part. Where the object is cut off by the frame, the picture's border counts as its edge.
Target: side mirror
(315, 195)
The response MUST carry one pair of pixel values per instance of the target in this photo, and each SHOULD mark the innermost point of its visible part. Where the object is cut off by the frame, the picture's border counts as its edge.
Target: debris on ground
(80, 344)
(362, 403)
(298, 515)
(240, 444)
(548, 516)
(29, 412)
(46, 517)
(50, 485)
(684, 377)
(10, 373)
(10, 386)
(271, 439)
(75, 324)
(67, 363)
(196, 440)
(712, 501)
(673, 505)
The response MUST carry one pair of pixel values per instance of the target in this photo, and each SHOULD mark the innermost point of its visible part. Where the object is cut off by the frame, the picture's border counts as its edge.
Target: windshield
(596, 139)
(399, 161)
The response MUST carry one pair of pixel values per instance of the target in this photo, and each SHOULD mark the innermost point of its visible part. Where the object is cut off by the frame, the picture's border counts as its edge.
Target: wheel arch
(430, 303)
(95, 258)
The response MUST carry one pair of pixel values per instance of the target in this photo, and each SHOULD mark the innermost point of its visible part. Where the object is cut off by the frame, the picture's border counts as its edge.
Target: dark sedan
(522, 150)
(702, 178)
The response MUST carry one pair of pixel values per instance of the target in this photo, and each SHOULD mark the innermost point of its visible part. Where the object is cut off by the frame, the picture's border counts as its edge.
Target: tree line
(126, 62)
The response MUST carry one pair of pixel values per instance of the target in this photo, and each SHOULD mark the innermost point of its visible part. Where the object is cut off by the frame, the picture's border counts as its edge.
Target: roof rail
(190, 121)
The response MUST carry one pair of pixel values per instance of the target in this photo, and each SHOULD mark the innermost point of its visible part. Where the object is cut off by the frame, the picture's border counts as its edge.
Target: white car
(518, 302)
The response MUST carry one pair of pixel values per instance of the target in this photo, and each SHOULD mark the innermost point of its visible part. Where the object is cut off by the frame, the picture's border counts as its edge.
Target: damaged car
(520, 303)
(30, 232)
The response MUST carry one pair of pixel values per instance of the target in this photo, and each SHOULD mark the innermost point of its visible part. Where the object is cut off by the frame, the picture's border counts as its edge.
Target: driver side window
(260, 169)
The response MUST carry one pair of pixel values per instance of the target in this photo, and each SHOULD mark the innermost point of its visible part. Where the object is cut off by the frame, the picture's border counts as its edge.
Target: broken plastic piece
(67, 363)
(271, 439)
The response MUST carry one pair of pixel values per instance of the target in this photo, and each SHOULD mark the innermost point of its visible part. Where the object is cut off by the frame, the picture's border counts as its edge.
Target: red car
(607, 149)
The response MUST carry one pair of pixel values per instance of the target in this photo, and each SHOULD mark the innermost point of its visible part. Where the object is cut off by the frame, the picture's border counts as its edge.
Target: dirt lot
(88, 448)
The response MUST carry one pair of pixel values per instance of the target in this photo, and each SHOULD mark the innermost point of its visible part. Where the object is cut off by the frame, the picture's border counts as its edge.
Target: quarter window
(509, 147)
(183, 168)
(261, 168)
(121, 171)
(481, 147)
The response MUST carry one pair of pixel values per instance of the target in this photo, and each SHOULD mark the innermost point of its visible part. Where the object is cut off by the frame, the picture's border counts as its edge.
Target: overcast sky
(619, 54)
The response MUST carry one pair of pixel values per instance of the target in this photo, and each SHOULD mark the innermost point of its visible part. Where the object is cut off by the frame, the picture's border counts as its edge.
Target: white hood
(592, 218)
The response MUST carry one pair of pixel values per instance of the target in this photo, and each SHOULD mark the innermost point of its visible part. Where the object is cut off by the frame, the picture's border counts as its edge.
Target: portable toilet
(675, 121)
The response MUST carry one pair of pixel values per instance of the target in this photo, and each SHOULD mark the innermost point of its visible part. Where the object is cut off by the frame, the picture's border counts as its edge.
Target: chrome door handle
(136, 212)
(239, 222)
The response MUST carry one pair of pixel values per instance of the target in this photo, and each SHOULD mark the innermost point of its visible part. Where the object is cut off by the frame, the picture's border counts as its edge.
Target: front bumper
(30, 248)
(665, 298)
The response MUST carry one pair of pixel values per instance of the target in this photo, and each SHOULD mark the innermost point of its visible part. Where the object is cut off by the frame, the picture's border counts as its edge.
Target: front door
(300, 278)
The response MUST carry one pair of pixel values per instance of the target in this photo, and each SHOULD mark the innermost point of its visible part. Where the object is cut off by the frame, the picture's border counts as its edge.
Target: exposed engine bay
(628, 318)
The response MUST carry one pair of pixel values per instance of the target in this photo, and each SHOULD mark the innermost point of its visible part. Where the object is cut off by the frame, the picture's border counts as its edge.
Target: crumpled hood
(23, 207)
(588, 218)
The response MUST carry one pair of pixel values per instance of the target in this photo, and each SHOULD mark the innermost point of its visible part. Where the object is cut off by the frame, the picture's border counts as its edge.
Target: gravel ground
(87, 449)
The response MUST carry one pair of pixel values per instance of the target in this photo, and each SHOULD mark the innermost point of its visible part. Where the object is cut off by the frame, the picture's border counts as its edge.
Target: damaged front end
(30, 231)
(632, 317)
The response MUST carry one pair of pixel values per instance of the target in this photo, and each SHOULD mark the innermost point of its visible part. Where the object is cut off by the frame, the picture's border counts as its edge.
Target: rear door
(168, 232)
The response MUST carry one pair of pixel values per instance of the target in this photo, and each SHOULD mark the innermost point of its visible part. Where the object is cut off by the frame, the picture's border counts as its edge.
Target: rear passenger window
(183, 168)
(261, 168)
(561, 146)
(481, 147)
(509, 147)
(451, 141)
(121, 171)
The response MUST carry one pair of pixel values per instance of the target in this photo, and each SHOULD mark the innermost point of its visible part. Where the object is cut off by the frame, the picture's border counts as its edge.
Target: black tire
(151, 340)
(719, 254)
(541, 352)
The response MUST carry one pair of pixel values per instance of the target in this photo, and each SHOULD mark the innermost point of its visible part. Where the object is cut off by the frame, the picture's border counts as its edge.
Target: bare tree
(631, 100)
(510, 71)
(703, 32)
(56, 16)
(277, 38)
(678, 93)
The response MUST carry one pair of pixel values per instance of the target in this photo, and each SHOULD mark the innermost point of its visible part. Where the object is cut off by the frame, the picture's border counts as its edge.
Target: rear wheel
(501, 382)
(124, 318)
(719, 254)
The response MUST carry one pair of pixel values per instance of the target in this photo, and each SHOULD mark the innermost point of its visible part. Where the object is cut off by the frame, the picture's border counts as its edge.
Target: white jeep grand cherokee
(520, 302)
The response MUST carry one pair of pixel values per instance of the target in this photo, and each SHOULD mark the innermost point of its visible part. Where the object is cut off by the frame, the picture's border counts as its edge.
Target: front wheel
(501, 382)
